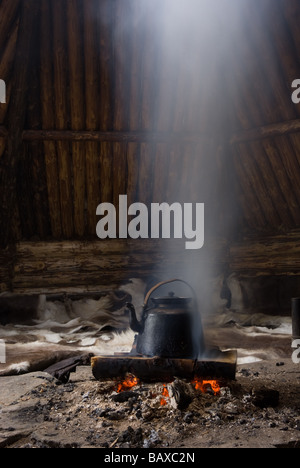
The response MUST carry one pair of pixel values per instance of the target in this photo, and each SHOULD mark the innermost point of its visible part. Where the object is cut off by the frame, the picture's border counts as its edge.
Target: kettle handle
(162, 283)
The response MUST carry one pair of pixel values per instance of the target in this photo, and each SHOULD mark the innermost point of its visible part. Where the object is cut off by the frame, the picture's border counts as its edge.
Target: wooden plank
(48, 119)
(269, 182)
(121, 67)
(113, 136)
(92, 95)
(34, 161)
(290, 163)
(161, 171)
(251, 161)
(252, 207)
(16, 117)
(146, 174)
(61, 115)
(135, 92)
(283, 183)
(133, 153)
(106, 65)
(75, 54)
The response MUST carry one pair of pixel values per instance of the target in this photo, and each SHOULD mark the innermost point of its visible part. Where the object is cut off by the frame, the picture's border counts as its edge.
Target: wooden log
(105, 9)
(267, 131)
(149, 104)
(48, 120)
(288, 153)
(75, 53)
(276, 255)
(135, 92)
(61, 115)
(253, 158)
(62, 370)
(133, 155)
(282, 183)
(158, 369)
(121, 67)
(92, 95)
(34, 162)
(161, 171)
(112, 136)
(87, 266)
(276, 208)
(252, 204)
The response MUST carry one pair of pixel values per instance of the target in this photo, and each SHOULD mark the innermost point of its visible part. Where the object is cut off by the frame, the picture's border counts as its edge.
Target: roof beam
(266, 131)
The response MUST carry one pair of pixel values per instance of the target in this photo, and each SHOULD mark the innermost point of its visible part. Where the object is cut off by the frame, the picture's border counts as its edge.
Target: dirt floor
(260, 409)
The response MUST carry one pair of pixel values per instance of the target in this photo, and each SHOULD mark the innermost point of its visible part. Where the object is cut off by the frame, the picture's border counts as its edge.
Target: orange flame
(129, 382)
(165, 394)
(204, 385)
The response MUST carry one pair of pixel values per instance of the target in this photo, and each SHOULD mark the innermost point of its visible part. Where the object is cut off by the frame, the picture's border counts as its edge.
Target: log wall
(268, 256)
(44, 267)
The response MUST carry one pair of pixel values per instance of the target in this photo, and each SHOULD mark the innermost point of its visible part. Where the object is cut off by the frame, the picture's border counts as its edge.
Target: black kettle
(171, 327)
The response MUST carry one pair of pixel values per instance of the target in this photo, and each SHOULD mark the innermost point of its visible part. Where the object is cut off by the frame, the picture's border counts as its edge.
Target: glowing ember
(129, 382)
(165, 394)
(204, 385)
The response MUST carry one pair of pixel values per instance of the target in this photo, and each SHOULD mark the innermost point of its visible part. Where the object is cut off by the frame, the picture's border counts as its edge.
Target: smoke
(173, 64)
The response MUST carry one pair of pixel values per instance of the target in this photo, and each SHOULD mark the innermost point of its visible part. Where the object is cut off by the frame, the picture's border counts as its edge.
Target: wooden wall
(39, 267)
(114, 99)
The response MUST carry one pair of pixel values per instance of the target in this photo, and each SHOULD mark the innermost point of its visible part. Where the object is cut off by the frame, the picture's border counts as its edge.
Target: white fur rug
(64, 329)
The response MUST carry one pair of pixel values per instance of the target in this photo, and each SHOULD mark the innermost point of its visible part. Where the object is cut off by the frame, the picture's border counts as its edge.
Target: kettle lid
(171, 300)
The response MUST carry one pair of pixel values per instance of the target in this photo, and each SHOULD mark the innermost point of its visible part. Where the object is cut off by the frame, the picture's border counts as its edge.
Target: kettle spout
(134, 323)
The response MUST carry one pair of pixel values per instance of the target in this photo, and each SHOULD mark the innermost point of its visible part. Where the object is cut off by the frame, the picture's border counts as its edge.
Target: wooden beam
(109, 136)
(88, 266)
(269, 256)
(160, 369)
(112, 136)
(267, 131)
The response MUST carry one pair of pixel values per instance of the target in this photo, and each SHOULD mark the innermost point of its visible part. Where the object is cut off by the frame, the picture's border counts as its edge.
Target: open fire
(205, 385)
(129, 382)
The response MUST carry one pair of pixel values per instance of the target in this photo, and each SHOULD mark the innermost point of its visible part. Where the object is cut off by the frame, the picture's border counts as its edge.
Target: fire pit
(169, 344)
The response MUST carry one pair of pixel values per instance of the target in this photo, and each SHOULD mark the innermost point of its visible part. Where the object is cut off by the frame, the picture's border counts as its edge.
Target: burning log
(163, 369)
